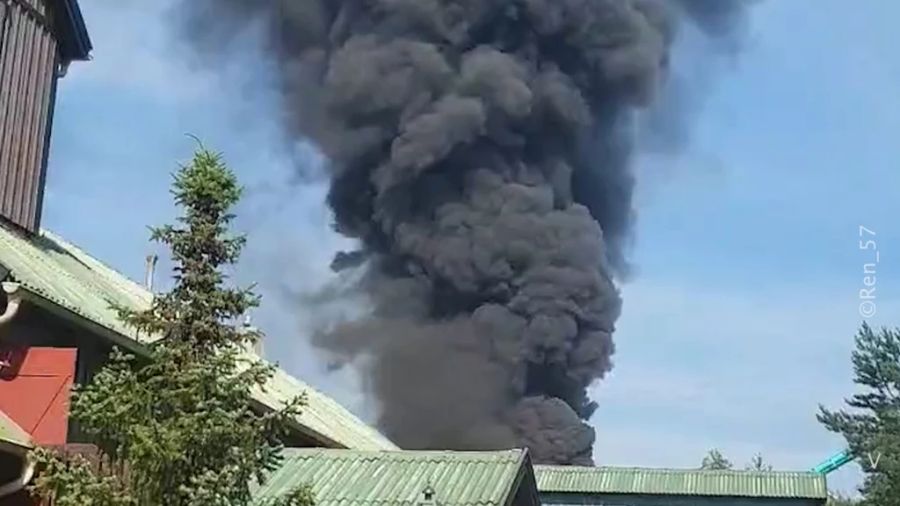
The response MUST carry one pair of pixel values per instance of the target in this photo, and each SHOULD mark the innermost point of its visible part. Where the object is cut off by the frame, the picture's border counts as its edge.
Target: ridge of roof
(60, 275)
(512, 455)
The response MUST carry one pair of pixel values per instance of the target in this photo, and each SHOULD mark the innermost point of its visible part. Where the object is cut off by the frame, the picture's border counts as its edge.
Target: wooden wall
(28, 63)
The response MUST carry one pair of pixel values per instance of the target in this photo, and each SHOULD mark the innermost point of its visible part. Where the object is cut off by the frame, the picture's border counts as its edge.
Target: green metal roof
(59, 275)
(12, 434)
(613, 480)
(54, 270)
(342, 477)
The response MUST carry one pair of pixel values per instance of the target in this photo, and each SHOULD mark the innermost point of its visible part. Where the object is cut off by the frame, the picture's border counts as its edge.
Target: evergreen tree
(714, 460)
(758, 464)
(872, 426)
(178, 427)
(837, 499)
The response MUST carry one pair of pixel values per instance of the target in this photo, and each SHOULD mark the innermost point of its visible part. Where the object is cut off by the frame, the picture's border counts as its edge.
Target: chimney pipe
(151, 271)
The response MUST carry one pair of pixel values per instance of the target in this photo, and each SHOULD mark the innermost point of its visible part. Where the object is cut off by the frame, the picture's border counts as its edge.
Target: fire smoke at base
(479, 152)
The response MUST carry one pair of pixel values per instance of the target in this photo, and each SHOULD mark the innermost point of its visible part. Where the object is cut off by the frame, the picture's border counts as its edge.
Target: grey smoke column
(479, 151)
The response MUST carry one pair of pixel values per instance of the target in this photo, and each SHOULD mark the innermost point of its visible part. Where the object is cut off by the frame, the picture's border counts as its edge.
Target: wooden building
(64, 327)
(413, 478)
(38, 41)
(507, 478)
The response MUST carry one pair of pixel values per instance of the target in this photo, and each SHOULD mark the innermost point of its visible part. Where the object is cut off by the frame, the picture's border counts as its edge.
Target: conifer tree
(715, 461)
(872, 426)
(757, 463)
(178, 426)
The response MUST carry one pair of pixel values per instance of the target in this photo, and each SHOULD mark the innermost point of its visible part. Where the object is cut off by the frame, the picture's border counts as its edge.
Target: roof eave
(76, 41)
(129, 344)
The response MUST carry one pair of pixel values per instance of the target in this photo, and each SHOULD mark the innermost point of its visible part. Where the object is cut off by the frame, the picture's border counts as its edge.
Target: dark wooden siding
(28, 61)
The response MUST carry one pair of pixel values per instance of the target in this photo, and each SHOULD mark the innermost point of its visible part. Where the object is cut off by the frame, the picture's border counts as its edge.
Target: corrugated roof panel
(68, 277)
(341, 477)
(61, 273)
(611, 480)
(323, 415)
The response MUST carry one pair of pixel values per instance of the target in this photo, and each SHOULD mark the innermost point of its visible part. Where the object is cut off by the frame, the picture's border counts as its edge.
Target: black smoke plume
(479, 151)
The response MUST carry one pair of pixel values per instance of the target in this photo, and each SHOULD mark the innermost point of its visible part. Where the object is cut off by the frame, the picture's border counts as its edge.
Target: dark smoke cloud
(724, 20)
(667, 125)
(479, 151)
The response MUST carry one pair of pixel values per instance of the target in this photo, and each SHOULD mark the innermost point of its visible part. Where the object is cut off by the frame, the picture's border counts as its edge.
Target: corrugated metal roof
(612, 480)
(323, 415)
(342, 477)
(61, 273)
(11, 433)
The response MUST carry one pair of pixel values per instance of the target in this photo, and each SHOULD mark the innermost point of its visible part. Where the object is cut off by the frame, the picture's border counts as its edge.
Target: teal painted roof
(12, 434)
(54, 271)
(613, 480)
(63, 274)
(346, 477)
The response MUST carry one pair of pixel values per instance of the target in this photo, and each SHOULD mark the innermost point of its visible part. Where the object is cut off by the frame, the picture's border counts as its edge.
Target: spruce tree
(178, 427)
(838, 499)
(757, 463)
(715, 461)
(872, 426)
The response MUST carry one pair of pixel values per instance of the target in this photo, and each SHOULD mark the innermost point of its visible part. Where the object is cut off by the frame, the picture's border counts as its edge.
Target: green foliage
(301, 496)
(758, 464)
(714, 460)
(75, 483)
(835, 499)
(177, 427)
(872, 424)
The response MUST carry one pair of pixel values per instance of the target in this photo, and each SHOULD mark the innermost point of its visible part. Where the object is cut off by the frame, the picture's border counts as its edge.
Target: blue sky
(740, 318)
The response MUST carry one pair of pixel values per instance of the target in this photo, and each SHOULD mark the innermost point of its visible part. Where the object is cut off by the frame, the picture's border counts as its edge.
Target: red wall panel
(35, 386)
